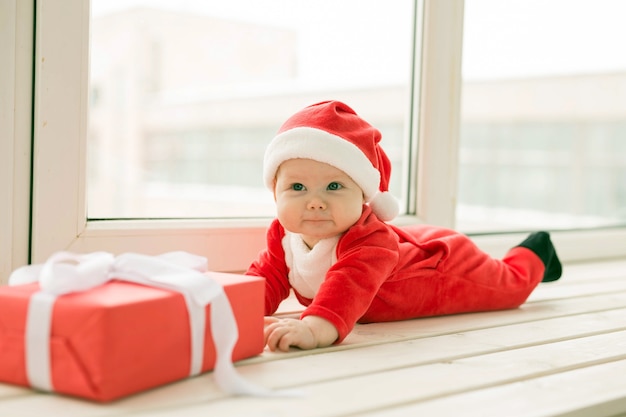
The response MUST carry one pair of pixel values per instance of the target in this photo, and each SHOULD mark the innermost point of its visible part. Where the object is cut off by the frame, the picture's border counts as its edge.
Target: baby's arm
(309, 333)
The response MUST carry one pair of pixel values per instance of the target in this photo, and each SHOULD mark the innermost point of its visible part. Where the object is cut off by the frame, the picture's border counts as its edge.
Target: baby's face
(315, 199)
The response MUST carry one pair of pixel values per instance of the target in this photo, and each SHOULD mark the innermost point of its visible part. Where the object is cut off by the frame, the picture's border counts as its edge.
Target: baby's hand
(308, 333)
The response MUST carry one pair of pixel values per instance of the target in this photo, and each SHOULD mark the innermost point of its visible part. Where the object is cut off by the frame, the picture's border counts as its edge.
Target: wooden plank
(578, 393)
(10, 391)
(591, 270)
(567, 288)
(200, 389)
(580, 289)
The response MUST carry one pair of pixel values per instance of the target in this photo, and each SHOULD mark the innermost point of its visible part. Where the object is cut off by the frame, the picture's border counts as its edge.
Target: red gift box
(121, 338)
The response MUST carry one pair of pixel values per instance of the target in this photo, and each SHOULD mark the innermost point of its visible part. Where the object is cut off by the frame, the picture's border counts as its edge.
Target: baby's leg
(474, 281)
(539, 243)
(451, 275)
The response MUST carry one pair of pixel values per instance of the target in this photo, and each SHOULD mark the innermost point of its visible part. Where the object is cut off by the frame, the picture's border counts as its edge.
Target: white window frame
(59, 220)
(16, 50)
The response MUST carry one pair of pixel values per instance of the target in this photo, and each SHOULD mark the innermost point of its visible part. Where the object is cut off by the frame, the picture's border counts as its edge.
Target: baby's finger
(268, 330)
(274, 336)
(269, 320)
(286, 342)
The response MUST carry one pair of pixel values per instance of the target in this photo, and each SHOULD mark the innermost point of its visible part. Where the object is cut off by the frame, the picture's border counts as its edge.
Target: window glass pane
(543, 136)
(185, 95)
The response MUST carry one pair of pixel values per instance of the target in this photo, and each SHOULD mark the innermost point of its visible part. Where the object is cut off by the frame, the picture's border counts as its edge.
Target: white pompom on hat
(331, 132)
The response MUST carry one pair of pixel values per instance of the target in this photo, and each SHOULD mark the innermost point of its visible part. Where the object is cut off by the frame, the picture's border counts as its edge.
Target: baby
(331, 244)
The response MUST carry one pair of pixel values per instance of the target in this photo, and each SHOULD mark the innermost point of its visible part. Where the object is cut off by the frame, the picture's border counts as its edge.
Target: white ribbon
(66, 272)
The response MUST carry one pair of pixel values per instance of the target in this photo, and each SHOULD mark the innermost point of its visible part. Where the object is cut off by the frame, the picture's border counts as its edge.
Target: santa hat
(331, 132)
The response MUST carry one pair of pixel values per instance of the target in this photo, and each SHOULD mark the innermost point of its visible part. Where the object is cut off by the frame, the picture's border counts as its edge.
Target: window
(186, 95)
(543, 116)
(63, 160)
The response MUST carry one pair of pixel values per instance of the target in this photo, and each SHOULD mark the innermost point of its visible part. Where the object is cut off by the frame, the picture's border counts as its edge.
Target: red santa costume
(376, 271)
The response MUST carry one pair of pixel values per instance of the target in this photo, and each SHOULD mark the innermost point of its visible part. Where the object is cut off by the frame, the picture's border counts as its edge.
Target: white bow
(66, 272)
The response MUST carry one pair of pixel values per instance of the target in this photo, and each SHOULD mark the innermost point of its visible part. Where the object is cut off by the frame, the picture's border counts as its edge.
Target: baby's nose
(316, 203)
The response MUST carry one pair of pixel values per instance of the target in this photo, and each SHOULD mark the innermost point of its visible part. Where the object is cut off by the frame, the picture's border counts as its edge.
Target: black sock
(540, 243)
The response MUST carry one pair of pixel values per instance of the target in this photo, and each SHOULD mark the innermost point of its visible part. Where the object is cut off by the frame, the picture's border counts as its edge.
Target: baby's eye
(334, 186)
(297, 186)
